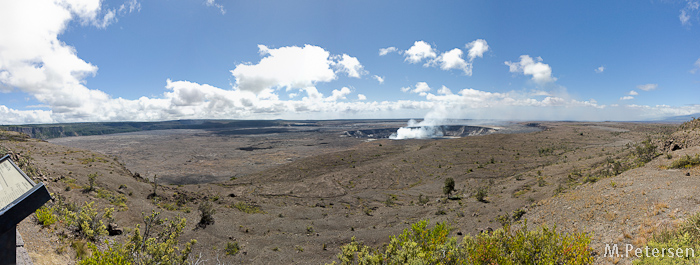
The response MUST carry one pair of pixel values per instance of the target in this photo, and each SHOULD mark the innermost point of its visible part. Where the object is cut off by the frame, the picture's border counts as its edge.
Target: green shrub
(687, 235)
(45, 216)
(645, 151)
(157, 245)
(88, 222)
(422, 200)
(686, 161)
(91, 182)
(420, 245)
(206, 213)
(481, 194)
(449, 186)
(232, 248)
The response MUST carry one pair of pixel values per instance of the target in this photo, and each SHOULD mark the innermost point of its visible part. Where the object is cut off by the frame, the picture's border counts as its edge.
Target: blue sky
(90, 60)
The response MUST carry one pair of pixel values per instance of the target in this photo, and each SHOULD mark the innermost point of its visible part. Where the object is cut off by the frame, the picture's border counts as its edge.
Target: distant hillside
(48, 131)
(681, 119)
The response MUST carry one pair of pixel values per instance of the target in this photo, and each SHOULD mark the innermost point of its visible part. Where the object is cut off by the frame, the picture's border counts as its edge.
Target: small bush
(45, 216)
(481, 194)
(88, 222)
(232, 248)
(645, 151)
(686, 236)
(206, 213)
(422, 200)
(157, 245)
(449, 186)
(91, 182)
(421, 245)
(686, 161)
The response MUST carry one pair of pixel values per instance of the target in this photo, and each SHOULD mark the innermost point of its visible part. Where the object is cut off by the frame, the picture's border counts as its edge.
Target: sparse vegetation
(645, 151)
(686, 161)
(248, 208)
(206, 214)
(232, 248)
(449, 187)
(686, 236)
(422, 200)
(157, 245)
(421, 245)
(91, 181)
(481, 193)
(45, 216)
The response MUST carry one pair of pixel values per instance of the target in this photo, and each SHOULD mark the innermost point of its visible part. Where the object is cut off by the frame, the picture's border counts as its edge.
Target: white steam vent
(445, 128)
(417, 130)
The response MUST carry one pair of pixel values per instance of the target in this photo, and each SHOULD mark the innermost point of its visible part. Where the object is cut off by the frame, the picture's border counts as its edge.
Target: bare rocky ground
(314, 197)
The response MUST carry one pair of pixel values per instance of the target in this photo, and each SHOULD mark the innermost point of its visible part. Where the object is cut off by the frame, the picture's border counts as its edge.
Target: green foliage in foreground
(45, 216)
(686, 161)
(421, 245)
(158, 244)
(685, 237)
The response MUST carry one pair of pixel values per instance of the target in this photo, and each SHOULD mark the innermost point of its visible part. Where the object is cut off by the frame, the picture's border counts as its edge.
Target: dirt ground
(315, 191)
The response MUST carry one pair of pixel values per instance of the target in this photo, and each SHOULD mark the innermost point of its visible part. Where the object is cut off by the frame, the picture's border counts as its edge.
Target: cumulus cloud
(388, 50)
(293, 67)
(421, 88)
(35, 62)
(213, 3)
(338, 94)
(419, 51)
(541, 73)
(379, 79)
(690, 10)
(627, 98)
(452, 59)
(477, 48)
(632, 93)
(600, 69)
(350, 65)
(648, 87)
(444, 91)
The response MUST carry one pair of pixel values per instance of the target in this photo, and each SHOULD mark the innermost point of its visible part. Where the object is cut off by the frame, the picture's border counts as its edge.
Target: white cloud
(419, 51)
(351, 66)
(421, 88)
(600, 69)
(388, 50)
(379, 79)
(627, 98)
(632, 93)
(477, 48)
(444, 91)
(290, 67)
(697, 67)
(338, 94)
(648, 87)
(35, 62)
(690, 10)
(541, 73)
(216, 5)
(129, 7)
(453, 60)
